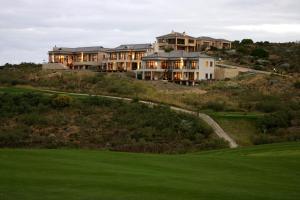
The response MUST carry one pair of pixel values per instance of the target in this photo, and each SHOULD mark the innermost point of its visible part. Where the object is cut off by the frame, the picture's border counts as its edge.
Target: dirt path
(216, 127)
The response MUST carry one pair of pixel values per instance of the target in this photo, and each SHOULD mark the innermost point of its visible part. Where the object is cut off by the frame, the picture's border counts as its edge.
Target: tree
(260, 53)
(235, 44)
(247, 42)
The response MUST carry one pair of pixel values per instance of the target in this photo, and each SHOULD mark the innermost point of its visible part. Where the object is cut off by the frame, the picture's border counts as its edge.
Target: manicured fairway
(262, 172)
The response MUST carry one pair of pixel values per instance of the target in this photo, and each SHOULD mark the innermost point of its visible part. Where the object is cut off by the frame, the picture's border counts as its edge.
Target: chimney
(184, 33)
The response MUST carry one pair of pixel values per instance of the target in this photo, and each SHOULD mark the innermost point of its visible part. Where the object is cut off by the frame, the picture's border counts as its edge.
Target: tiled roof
(80, 49)
(135, 47)
(175, 34)
(176, 54)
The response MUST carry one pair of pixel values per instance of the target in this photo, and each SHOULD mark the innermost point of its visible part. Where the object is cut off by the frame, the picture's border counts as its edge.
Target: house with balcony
(76, 58)
(177, 66)
(126, 57)
(176, 41)
(205, 43)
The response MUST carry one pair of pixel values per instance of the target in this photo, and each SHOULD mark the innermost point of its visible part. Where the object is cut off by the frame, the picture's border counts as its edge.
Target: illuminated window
(206, 63)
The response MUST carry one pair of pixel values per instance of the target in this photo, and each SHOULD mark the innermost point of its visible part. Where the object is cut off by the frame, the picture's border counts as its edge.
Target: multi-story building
(204, 43)
(77, 58)
(126, 57)
(177, 41)
(178, 66)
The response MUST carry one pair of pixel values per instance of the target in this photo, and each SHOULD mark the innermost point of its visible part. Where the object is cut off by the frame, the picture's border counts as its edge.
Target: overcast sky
(29, 28)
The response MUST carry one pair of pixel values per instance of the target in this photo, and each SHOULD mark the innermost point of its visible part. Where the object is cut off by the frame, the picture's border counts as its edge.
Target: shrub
(268, 106)
(271, 122)
(247, 42)
(297, 84)
(216, 106)
(61, 101)
(260, 53)
(33, 119)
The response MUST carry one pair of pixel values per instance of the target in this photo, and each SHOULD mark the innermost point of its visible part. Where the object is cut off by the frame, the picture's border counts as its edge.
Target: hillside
(253, 108)
(44, 120)
(283, 57)
(263, 172)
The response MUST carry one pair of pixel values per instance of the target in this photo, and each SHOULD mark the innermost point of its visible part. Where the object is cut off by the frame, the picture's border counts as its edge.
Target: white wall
(203, 69)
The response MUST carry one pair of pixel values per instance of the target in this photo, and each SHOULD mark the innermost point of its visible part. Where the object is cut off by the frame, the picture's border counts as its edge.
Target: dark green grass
(261, 172)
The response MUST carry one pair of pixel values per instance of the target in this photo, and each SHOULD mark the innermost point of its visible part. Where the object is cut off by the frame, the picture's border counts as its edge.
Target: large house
(182, 41)
(204, 43)
(178, 66)
(77, 58)
(126, 57)
(176, 41)
(174, 57)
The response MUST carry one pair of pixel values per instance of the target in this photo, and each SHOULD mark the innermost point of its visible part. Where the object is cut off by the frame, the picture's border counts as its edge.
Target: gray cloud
(29, 28)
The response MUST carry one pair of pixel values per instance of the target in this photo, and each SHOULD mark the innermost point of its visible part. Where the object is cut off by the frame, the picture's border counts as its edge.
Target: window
(177, 64)
(180, 41)
(210, 76)
(151, 64)
(211, 64)
(194, 64)
(206, 63)
(191, 41)
(164, 64)
(206, 75)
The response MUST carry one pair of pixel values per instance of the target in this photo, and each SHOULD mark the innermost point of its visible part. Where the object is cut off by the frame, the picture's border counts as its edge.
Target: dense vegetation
(283, 57)
(267, 172)
(36, 120)
(265, 97)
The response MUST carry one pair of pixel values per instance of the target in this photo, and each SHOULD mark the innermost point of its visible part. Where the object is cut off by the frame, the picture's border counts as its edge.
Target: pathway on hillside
(247, 69)
(216, 127)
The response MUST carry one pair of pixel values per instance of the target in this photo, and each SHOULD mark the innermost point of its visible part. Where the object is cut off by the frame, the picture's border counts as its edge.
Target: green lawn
(240, 126)
(261, 172)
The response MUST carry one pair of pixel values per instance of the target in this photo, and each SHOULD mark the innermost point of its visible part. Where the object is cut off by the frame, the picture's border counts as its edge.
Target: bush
(271, 122)
(215, 106)
(61, 101)
(260, 53)
(297, 84)
(268, 106)
(33, 119)
(246, 42)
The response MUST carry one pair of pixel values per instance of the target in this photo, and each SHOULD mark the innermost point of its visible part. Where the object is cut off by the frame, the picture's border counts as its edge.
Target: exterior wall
(125, 60)
(80, 60)
(222, 73)
(203, 69)
(206, 69)
(220, 44)
(186, 46)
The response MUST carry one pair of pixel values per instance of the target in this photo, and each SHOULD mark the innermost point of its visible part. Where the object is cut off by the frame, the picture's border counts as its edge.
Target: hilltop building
(126, 57)
(76, 58)
(174, 57)
(178, 66)
(205, 43)
(177, 41)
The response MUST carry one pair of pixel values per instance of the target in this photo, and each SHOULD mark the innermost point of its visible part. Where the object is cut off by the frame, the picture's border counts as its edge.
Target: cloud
(268, 28)
(29, 28)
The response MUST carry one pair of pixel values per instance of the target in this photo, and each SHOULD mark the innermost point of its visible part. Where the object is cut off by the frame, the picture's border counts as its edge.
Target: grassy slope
(262, 172)
(241, 126)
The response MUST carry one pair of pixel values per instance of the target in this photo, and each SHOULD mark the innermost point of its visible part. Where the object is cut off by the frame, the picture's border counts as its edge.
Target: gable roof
(132, 47)
(175, 34)
(93, 49)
